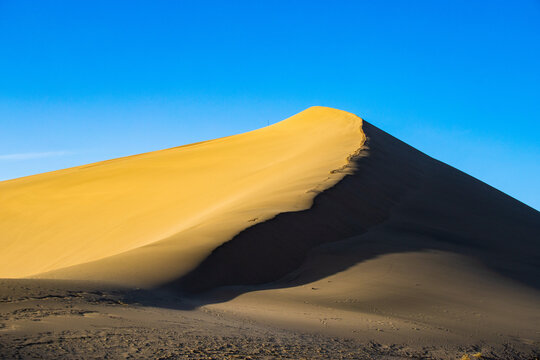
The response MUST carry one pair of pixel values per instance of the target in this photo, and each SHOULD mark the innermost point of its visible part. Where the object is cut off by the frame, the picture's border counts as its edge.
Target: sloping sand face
(150, 218)
(415, 201)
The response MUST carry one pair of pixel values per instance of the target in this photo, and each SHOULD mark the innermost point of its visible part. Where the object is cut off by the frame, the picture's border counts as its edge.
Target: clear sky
(82, 81)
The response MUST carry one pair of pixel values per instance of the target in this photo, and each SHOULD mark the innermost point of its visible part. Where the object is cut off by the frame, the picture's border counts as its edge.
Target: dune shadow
(413, 202)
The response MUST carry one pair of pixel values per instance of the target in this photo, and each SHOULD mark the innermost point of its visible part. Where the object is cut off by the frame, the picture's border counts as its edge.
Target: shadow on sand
(397, 199)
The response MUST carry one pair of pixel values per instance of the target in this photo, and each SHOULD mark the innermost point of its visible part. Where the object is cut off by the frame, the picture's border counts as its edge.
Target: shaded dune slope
(404, 200)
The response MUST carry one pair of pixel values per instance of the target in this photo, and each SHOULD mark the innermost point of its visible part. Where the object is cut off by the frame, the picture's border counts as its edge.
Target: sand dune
(321, 230)
(418, 203)
(165, 211)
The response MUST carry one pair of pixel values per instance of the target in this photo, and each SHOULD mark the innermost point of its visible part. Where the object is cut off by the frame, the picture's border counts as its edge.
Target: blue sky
(87, 81)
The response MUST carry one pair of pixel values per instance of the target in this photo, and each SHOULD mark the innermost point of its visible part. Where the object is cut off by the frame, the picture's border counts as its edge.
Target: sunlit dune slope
(165, 211)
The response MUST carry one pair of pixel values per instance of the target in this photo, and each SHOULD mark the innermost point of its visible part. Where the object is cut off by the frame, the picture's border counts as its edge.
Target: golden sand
(167, 210)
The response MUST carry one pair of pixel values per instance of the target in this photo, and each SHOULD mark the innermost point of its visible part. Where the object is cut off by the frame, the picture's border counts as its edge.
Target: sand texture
(163, 212)
(319, 237)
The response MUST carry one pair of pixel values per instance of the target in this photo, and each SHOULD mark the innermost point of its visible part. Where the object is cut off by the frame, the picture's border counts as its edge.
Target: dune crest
(150, 218)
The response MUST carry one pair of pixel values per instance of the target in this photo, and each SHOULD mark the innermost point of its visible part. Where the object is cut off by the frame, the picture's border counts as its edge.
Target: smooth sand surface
(414, 298)
(320, 237)
(166, 210)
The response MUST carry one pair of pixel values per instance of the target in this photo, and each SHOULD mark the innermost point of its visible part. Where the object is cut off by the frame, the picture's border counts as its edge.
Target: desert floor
(66, 319)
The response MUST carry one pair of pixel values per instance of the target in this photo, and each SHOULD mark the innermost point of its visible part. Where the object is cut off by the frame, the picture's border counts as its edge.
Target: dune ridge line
(150, 218)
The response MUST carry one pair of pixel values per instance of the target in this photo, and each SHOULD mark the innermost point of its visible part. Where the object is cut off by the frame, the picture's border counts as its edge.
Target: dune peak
(168, 209)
